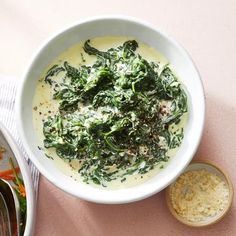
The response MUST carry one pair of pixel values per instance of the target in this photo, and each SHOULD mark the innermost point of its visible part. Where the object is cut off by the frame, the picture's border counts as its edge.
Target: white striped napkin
(8, 87)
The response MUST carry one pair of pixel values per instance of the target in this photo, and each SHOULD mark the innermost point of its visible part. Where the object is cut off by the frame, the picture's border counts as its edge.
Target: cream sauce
(44, 105)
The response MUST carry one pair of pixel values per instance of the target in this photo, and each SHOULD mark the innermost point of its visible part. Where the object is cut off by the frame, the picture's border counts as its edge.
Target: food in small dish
(201, 195)
(112, 109)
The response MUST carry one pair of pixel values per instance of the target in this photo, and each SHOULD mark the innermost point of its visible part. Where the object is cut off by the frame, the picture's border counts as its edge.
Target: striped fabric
(8, 87)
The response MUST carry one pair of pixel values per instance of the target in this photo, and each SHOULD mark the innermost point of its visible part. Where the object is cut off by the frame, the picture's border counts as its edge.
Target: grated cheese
(198, 195)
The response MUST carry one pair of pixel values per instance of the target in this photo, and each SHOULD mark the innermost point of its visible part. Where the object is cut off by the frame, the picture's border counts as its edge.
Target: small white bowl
(26, 176)
(112, 26)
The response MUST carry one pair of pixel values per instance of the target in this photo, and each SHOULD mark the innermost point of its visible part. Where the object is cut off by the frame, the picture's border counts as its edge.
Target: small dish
(212, 169)
(12, 151)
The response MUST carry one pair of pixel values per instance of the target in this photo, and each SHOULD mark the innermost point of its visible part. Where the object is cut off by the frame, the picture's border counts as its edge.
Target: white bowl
(26, 176)
(120, 26)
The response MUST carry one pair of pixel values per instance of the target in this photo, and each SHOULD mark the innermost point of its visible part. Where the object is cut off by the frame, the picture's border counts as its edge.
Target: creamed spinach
(117, 117)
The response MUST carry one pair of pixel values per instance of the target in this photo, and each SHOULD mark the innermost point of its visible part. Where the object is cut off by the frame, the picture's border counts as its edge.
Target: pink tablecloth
(207, 29)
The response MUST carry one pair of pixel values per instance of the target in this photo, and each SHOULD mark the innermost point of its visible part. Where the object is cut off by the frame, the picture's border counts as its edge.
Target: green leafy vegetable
(115, 116)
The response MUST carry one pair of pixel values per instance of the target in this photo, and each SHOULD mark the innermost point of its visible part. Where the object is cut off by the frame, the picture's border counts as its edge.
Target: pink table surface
(207, 29)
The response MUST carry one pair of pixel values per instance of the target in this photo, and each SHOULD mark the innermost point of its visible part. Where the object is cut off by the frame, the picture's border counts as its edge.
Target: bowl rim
(26, 175)
(220, 216)
(51, 177)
